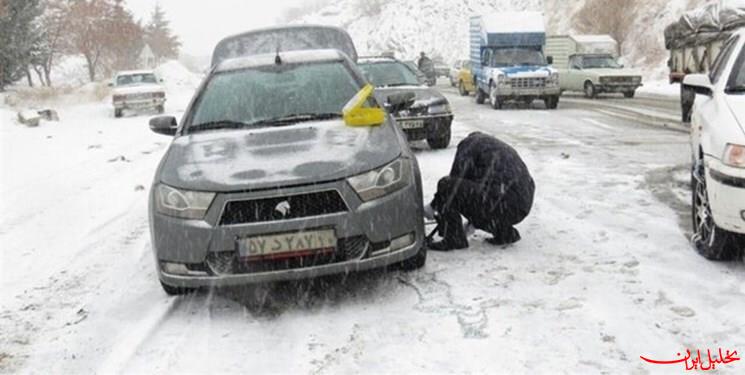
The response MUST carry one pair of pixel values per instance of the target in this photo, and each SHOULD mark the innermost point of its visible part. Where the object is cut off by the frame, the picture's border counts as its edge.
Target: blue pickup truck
(508, 62)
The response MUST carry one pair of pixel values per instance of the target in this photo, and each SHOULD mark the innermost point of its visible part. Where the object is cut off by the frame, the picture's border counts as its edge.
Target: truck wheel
(462, 89)
(480, 96)
(176, 291)
(118, 113)
(712, 242)
(441, 141)
(496, 102)
(552, 102)
(590, 91)
(629, 94)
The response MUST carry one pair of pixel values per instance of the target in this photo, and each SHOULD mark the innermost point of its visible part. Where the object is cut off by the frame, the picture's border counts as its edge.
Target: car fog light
(180, 269)
(402, 242)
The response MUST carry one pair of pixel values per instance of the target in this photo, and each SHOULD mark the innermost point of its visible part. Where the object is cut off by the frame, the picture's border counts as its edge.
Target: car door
(572, 75)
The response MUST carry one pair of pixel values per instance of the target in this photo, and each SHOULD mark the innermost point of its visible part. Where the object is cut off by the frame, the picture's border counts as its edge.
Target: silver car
(268, 180)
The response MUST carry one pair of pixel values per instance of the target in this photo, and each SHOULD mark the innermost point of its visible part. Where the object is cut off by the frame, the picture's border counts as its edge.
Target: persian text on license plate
(287, 245)
(415, 124)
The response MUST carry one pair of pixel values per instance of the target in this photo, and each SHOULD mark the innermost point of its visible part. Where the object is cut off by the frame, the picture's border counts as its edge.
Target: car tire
(462, 89)
(496, 102)
(590, 91)
(416, 262)
(629, 94)
(118, 113)
(440, 142)
(176, 291)
(552, 102)
(711, 241)
(480, 96)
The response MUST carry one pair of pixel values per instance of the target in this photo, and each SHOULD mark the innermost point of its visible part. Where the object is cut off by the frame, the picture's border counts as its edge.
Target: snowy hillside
(441, 26)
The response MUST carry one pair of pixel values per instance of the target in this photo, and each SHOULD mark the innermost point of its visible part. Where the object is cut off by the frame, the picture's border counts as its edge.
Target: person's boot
(447, 245)
(506, 236)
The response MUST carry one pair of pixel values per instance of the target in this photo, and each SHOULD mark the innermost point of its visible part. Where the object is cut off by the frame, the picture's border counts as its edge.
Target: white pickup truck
(137, 90)
(588, 64)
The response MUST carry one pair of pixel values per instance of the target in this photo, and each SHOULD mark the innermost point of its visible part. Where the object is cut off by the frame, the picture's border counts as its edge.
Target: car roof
(289, 57)
(134, 72)
(376, 59)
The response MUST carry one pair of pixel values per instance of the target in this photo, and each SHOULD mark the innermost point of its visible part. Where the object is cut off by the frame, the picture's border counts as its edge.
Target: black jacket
(498, 169)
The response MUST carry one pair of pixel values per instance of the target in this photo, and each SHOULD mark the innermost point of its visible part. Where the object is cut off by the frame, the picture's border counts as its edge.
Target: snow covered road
(603, 275)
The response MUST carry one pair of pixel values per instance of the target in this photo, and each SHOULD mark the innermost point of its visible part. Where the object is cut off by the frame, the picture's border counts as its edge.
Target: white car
(718, 145)
(137, 90)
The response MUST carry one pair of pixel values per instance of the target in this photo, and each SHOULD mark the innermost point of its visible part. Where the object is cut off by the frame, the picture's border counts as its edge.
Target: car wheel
(552, 102)
(462, 89)
(496, 102)
(118, 113)
(629, 94)
(590, 91)
(416, 262)
(440, 141)
(176, 291)
(710, 241)
(480, 96)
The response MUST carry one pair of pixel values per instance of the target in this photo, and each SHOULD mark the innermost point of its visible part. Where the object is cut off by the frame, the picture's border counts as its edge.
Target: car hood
(140, 89)
(424, 96)
(614, 72)
(736, 104)
(242, 160)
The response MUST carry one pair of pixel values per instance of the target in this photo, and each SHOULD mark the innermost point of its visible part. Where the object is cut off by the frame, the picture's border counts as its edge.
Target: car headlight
(501, 80)
(382, 181)
(439, 109)
(182, 204)
(734, 156)
(605, 80)
(637, 80)
(553, 79)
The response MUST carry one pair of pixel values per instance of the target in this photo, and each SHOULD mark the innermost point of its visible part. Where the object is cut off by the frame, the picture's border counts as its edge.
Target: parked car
(455, 71)
(464, 80)
(137, 90)
(429, 116)
(284, 167)
(718, 152)
(441, 68)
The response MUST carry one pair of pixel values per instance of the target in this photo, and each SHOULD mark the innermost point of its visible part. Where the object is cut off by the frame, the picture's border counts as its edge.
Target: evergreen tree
(20, 35)
(159, 37)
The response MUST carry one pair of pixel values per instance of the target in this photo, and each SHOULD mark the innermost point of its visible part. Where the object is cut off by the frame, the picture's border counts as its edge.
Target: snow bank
(176, 76)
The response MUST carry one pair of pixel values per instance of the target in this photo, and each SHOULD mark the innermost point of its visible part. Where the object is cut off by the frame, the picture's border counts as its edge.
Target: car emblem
(283, 209)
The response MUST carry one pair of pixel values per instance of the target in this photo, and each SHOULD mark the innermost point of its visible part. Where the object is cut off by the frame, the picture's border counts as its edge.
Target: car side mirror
(165, 125)
(699, 83)
(400, 102)
(550, 60)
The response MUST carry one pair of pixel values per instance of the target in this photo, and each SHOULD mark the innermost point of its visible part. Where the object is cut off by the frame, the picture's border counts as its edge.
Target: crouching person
(490, 186)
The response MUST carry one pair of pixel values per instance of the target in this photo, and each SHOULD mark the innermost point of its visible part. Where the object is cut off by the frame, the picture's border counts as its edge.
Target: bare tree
(88, 27)
(612, 17)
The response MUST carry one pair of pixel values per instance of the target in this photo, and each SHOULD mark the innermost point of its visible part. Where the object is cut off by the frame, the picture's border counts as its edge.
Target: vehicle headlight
(553, 79)
(182, 204)
(605, 80)
(734, 156)
(439, 109)
(501, 80)
(637, 80)
(382, 181)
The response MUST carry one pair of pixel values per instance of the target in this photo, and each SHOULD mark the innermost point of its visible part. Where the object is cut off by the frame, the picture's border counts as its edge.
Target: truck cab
(508, 60)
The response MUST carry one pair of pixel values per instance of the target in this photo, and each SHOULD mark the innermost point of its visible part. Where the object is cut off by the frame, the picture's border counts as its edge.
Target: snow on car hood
(736, 104)
(239, 160)
(529, 71)
(424, 96)
(138, 89)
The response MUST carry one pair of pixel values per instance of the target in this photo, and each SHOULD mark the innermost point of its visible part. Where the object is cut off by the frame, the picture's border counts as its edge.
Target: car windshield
(517, 56)
(600, 62)
(274, 95)
(136, 79)
(737, 83)
(389, 74)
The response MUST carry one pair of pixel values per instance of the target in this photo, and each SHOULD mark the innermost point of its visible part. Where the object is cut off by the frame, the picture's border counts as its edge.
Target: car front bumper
(139, 104)
(509, 93)
(616, 88)
(433, 126)
(726, 186)
(204, 245)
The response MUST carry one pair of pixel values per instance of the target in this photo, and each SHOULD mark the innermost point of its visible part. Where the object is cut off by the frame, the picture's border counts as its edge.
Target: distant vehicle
(421, 77)
(441, 68)
(285, 167)
(464, 79)
(718, 145)
(455, 70)
(696, 40)
(137, 90)
(588, 64)
(429, 116)
(508, 62)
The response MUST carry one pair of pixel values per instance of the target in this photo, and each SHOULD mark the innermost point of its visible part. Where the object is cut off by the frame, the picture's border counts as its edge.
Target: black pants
(496, 215)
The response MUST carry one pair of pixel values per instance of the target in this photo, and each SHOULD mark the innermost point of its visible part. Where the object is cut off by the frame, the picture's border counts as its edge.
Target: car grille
(140, 96)
(283, 208)
(527, 83)
(228, 263)
(618, 79)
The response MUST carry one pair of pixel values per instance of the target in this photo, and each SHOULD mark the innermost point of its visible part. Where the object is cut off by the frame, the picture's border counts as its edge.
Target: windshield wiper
(735, 90)
(296, 119)
(215, 125)
(400, 84)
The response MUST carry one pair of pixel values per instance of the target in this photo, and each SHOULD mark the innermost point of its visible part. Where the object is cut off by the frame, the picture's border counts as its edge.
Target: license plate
(288, 245)
(416, 124)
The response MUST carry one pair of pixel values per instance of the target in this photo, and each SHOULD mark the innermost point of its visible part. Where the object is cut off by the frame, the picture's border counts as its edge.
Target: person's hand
(429, 212)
